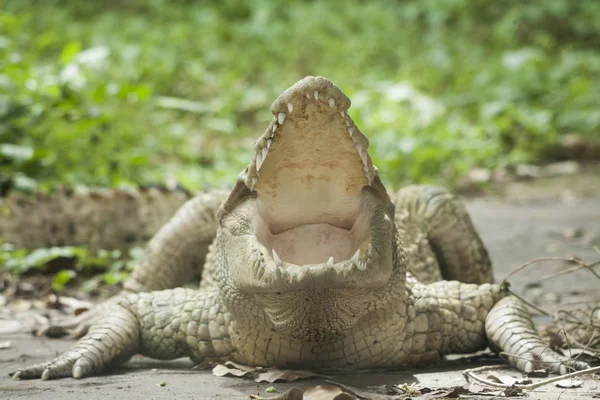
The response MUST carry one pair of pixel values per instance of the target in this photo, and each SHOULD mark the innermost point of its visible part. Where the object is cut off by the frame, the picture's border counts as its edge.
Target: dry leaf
(241, 366)
(513, 391)
(325, 393)
(476, 388)
(508, 380)
(291, 394)
(455, 392)
(204, 366)
(513, 380)
(70, 303)
(287, 375)
(223, 370)
(569, 383)
(363, 394)
(260, 374)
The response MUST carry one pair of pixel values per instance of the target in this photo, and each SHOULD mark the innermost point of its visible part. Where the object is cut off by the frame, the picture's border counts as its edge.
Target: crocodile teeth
(269, 143)
(254, 180)
(278, 262)
(342, 114)
(316, 94)
(339, 268)
(265, 151)
(351, 131)
(274, 127)
(290, 107)
(280, 118)
(354, 258)
(307, 95)
(363, 157)
(259, 161)
(361, 153)
(330, 261)
(331, 102)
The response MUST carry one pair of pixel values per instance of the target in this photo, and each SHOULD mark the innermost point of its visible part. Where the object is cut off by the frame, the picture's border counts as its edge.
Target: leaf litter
(260, 374)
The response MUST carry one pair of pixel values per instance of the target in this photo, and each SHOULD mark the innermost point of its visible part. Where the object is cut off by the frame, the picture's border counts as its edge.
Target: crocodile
(309, 262)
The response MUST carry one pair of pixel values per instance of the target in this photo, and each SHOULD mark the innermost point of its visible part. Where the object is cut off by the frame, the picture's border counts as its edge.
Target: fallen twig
(470, 373)
(563, 272)
(569, 260)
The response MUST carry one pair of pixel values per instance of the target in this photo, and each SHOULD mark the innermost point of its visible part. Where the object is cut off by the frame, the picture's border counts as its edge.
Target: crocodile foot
(113, 339)
(69, 364)
(534, 359)
(512, 334)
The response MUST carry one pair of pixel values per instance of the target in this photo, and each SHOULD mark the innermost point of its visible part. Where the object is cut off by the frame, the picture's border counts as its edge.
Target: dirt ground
(541, 218)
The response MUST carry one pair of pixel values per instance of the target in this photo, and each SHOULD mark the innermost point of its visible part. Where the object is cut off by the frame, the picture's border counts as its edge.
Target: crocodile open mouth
(310, 209)
(309, 172)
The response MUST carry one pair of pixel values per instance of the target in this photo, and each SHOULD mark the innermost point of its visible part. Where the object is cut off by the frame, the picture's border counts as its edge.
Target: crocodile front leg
(163, 325)
(454, 317)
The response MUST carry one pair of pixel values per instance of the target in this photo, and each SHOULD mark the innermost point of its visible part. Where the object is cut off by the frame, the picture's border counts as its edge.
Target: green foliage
(113, 92)
(114, 266)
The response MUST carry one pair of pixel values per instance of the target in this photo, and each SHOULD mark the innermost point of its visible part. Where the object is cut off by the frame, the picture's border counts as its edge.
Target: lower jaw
(271, 280)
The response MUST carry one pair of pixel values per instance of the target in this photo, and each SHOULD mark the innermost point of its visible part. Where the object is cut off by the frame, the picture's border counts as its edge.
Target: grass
(122, 92)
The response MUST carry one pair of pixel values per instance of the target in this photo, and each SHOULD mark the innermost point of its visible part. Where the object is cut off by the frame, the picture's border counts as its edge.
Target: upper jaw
(294, 103)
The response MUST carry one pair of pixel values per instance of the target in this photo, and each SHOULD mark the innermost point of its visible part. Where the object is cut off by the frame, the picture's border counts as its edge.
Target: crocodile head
(308, 229)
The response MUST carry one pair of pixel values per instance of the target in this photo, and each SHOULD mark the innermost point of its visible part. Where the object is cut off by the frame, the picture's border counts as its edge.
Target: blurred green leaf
(61, 278)
(15, 152)
(69, 51)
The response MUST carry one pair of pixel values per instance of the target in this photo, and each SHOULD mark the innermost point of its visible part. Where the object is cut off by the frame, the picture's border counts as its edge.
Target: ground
(545, 217)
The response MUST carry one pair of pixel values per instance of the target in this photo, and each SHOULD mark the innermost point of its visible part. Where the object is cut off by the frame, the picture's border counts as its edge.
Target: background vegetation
(126, 92)
(122, 92)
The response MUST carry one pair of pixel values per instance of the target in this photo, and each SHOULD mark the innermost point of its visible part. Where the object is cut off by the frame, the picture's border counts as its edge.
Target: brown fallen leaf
(455, 392)
(325, 393)
(310, 393)
(508, 380)
(291, 394)
(363, 394)
(287, 375)
(68, 304)
(259, 374)
(204, 366)
(513, 391)
(231, 368)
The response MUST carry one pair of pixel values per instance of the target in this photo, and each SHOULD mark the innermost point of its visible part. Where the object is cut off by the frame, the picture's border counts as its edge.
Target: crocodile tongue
(309, 171)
